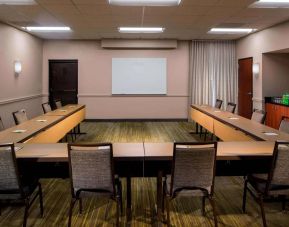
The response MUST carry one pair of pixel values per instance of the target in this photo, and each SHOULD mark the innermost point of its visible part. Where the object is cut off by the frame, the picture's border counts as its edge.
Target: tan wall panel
(227, 133)
(203, 119)
(58, 131)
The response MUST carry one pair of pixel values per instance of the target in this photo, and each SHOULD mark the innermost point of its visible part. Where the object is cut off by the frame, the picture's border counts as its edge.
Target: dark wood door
(63, 81)
(245, 87)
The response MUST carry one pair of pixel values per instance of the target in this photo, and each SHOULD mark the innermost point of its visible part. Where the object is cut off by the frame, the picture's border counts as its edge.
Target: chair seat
(258, 182)
(186, 193)
(28, 188)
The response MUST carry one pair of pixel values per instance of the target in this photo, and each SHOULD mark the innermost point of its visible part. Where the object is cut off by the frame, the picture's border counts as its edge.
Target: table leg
(197, 129)
(128, 198)
(159, 195)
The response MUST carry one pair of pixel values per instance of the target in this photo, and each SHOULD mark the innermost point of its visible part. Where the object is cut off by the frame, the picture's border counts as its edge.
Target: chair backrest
(57, 103)
(284, 124)
(20, 116)
(193, 166)
(46, 107)
(91, 167)
(218, 103)
(1, 125)
(9, 177)
(279, 174)
(231, 107)
(259, 116)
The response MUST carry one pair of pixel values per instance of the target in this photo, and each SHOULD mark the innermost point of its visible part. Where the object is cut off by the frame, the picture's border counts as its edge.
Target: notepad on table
(233, 118)
(41, 120)
(270, 133)
(19, 130)
(217, 111)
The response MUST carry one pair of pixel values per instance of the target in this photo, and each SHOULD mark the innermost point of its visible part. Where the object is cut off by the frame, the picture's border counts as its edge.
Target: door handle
(250, 93)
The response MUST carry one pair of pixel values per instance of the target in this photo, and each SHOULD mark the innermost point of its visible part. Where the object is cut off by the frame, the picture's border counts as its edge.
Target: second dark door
(245, 87)
(63, 81)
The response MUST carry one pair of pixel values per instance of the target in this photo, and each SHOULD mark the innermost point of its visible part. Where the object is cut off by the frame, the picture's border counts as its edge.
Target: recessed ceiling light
(140, 29)
(145, 2)
(17, 2)
(47, 29)
(230, 30)
(270, 4)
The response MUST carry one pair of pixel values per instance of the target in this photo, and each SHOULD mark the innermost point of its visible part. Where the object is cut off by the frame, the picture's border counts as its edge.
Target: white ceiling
(96, 19)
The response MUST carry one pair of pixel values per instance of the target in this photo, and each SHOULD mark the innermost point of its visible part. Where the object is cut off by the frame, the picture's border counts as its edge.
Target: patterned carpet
(185, 212)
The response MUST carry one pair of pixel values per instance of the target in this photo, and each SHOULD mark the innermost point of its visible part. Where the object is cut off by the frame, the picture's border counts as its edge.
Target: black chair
(193, 174)
(274, 183)
(57, 103)
(92, 173)
(259, 116)
(46, 107)
(14, 186)
(218, 103)
(20, 116)
(231, 107)
(1, 125)
(284, 124)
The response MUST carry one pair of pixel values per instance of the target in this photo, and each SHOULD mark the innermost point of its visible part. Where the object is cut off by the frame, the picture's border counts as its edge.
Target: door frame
(252, 87)
(50, 61)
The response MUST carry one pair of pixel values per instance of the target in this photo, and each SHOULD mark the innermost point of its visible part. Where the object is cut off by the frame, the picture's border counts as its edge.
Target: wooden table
(47, 128)
(232, 127)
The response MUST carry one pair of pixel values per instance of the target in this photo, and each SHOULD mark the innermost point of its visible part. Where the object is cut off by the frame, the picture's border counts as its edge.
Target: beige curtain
(213, 72)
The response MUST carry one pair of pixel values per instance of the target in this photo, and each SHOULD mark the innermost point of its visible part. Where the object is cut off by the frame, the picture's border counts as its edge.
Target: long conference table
(245, 142)
(47, 128)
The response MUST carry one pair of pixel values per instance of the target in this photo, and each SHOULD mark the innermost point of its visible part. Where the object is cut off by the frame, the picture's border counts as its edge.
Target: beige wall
(23, 91)
(271, 39)
(94, 80)
(275, 74)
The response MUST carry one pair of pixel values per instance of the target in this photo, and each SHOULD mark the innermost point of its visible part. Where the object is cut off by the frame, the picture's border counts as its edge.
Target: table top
(147, 151)
(59, 151)
(66, 110)
(250, 127)
(27, 129)
(30, 128)
(225, 150)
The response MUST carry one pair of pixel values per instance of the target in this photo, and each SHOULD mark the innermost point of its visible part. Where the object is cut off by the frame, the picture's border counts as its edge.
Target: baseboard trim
(138, 120)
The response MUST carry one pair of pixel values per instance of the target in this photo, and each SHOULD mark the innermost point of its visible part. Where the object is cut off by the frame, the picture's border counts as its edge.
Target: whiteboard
(146, 76)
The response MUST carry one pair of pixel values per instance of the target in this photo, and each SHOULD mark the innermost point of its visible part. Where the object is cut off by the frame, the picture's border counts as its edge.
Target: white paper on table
(19, 130)
(41, 120)
(270, 133)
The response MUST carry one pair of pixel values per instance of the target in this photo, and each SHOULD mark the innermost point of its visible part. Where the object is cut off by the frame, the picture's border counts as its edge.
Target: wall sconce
(17, 67)
(256, 69)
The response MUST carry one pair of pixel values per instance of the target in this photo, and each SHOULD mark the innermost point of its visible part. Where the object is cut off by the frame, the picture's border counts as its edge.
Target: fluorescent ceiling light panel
(48, 29)
(145, 2)
(17, 2)
(270, 4)
(230, 30)
(140, 29)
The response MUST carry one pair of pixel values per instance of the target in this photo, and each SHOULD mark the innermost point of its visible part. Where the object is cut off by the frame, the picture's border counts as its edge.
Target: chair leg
(40, 199)
(201, 131)
(206, 133)
(203, 205)
(163, 197)
(212, 136)
(117, 211)
(167, 201)
(214, 210)
(119, 185)
(80, 205)
(70, 211)
(26, 213)
(283, 203)
(260, 201)
(244, 196)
